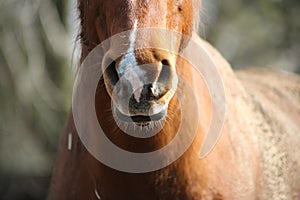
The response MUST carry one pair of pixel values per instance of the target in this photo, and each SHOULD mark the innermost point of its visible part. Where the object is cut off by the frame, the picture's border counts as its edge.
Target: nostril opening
(165, 62)
(111, 73)
(165, 74)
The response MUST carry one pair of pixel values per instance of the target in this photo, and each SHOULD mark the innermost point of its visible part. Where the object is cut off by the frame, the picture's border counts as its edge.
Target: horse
(256, 156)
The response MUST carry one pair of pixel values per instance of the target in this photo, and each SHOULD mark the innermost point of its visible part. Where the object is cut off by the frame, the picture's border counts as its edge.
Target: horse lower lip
(140, 118)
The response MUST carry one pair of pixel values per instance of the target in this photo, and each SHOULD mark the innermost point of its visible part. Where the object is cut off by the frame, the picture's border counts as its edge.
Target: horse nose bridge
(151, 62)
(153, 55)
(150, 72)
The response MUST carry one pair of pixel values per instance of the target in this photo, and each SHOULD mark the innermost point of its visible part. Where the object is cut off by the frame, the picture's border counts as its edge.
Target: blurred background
(254, 32)
(38, 59)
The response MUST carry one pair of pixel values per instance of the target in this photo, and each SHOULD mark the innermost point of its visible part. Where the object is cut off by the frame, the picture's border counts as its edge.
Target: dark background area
(37, 59)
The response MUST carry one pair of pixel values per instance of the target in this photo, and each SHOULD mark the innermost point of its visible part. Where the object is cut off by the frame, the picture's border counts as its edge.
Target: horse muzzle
(140, 93)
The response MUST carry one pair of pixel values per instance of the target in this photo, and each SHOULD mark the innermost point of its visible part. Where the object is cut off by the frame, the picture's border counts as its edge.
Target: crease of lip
(140, 118)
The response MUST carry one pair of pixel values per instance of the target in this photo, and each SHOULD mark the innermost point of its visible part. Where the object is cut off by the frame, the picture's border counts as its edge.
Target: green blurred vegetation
(35, 93)
(36, 44)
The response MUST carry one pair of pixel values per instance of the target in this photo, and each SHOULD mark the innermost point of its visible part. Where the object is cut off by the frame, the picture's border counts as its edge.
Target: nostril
(111, 73)
(165, 74)
(165, 62)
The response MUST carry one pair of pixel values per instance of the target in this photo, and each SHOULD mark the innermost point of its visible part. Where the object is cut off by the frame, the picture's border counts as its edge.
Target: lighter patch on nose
(128, 67)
